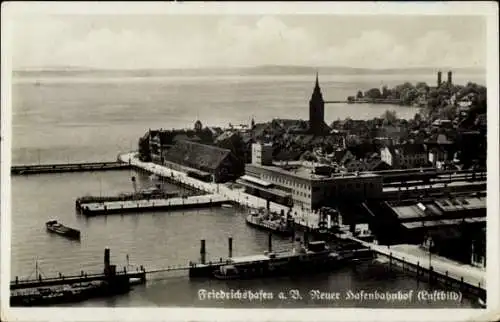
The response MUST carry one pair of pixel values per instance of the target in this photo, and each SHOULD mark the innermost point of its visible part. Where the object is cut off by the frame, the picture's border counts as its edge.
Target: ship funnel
(107, 256)
(230, 245)
(203, 251)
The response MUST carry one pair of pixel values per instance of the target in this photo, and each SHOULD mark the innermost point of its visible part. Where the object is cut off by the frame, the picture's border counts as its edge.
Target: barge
(57, 228)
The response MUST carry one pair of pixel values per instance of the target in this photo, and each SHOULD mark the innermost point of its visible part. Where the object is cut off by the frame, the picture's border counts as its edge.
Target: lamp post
(430, 242)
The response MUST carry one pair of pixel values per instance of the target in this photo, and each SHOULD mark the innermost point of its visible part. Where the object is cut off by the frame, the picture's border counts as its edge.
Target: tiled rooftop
(196, 155)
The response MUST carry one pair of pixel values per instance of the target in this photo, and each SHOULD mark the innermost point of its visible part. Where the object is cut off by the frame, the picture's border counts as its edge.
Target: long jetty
(113, 207)
(73, 279)
(67, 167)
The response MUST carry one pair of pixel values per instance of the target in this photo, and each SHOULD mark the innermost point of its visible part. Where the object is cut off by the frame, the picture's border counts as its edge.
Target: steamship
(266, 220)
(314, 257)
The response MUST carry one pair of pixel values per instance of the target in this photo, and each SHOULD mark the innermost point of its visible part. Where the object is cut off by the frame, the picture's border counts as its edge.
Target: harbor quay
(440, 268)
(300, 216)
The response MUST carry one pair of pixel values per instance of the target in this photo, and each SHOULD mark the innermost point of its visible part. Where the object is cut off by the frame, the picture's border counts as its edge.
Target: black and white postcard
(249, 161)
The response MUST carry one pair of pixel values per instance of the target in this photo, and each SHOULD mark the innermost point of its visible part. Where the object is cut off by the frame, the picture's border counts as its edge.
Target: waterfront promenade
(471, 274)
(413, 254)
(237, 195)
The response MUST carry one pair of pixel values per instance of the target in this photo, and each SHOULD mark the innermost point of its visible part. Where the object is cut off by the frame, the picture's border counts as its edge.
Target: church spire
(316, 110)
(317, 96)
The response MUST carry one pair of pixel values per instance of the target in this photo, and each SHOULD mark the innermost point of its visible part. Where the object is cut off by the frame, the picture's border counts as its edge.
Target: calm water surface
(93, 119)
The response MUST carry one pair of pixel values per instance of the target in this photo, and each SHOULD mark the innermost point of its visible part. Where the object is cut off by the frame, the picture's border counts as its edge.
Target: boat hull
(290, 265)
(63, 231)
(71, 295)
(283, 232)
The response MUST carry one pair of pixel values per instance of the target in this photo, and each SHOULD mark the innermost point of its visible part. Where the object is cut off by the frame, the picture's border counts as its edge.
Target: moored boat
(43, 296)
(268, 221)
(314, 257)
(54, 226)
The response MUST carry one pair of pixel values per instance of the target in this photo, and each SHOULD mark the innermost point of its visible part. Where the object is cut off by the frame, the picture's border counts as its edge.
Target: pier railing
(434, 273)
(72, 279)
(68, 167)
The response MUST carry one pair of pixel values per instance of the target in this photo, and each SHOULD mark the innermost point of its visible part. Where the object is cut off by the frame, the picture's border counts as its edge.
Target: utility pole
(431, 244)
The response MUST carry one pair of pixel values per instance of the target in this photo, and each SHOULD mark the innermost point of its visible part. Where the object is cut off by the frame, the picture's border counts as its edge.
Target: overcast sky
(170, 41)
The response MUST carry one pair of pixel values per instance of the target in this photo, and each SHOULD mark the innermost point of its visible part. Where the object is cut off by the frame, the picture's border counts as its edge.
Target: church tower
(316, 110)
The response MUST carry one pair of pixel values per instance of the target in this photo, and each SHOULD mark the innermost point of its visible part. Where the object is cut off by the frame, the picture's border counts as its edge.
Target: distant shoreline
(259, 70)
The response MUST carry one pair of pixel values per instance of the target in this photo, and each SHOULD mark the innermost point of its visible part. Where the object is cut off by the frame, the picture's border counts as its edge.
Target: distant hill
(358, 71)
(258, 70)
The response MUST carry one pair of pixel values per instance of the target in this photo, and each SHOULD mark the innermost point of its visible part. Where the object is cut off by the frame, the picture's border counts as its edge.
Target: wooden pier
(67, 167)
(74, 279)
(109, 274)
(114, 207)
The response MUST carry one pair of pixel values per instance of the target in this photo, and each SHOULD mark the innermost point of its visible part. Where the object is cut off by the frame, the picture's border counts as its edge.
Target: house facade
(405, 156)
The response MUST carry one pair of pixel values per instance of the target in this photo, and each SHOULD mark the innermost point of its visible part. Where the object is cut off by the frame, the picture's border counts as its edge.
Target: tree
(385, 92)
(422, 86)
(449, 112)
(409, 95)
(417, 118)
(373, 93)
(390, 117)
(144, 151)
(359, 94)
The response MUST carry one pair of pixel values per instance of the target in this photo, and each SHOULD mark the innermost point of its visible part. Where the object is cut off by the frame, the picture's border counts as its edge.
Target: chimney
(230, 244)
(450, 77)
(439, 80)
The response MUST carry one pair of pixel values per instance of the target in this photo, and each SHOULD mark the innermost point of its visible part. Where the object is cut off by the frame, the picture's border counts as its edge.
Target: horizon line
(312, 67)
